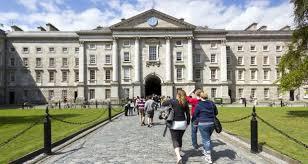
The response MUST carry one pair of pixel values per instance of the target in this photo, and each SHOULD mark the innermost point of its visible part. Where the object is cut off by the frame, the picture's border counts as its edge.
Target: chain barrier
(78, 123)
(240, 119)
(20, 133)
(283, 133)
(118, 110)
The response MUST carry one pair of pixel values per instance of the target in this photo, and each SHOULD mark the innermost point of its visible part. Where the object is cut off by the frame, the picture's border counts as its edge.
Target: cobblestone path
(125, 141)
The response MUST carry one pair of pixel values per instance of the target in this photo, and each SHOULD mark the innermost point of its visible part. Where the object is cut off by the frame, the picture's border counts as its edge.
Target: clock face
(152, 21)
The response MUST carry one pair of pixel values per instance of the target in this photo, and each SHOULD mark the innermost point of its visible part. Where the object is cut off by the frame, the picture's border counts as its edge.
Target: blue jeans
(194, 130)
(206, 132)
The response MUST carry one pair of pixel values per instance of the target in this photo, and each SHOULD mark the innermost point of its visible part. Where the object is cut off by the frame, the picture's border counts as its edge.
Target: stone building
(149, 53)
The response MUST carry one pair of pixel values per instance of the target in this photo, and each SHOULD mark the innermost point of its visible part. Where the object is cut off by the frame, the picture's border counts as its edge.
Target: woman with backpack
(181, 120)
(204, 115)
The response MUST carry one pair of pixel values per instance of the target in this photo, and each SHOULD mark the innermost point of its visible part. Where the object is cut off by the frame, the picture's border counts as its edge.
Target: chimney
(252, 27)
(182, 19)
(41, 28)
(123, 19)
(262, 28)
(16, 28)
(51, 27)
(285, 28)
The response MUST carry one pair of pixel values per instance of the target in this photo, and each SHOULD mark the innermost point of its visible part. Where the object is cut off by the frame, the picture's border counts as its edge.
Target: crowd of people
(199, 117)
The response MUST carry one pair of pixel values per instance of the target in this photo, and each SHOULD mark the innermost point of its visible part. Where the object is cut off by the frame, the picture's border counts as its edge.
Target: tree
(294, 63)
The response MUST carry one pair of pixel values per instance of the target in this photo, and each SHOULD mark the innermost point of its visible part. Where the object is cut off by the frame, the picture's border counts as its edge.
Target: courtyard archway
(152, 85)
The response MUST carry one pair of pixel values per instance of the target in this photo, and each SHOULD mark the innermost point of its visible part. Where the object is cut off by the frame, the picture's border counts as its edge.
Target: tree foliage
(294, 63)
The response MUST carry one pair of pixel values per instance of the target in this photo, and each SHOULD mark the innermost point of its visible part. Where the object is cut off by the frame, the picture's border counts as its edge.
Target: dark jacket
(205, 111)
(181, 111)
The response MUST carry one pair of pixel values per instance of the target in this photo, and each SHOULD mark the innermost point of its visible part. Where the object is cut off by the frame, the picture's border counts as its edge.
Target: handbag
(179, 125)
(217, 124)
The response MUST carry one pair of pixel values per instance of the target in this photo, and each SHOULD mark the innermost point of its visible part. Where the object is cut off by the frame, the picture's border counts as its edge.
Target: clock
(152, 21)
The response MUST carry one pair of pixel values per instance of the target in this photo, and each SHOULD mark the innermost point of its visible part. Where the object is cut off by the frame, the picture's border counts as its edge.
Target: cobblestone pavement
(125, 141)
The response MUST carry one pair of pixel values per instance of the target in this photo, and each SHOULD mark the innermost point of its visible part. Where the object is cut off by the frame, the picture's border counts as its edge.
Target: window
(65, 50)
(240, 92)
(179, 73)
(278, 74)
(265, 48)
(76, 62)
(108, 59)
(108, 74)
(213, 92)
(126, 57)
(108, 46)
(38, 76)
(126, 43)
(213, 74)
(253, 92)
(178, 56)
(266, 93)
(76, 50)
(213, 45)
(92, 46)
(278, 59)
(92, 94)
(51, 94)
(197, 58)
(228, 75)
(76, 76)
(265, 60)
(107, 93)
(38, 62)
(213, 58)
(12, 49)
(305, 92)
(64, 94)
(266, 75)
(252, 48)
(64, 62)
(178, 43)
(279, 93)
(152, 53)
(126, 92)
(92, 60)
(51, 62)
(12, 61)
(240, 48)
(252, 60)
(240, 60)
(240, 75)
(51, 76)
(52, 50)
(253, 74)
(25, 62)
(12, 76)
(92, 75)
(126, 73)
(278, 48)
(228, 60)
(197, 74)
(25, 50)
(64, 76)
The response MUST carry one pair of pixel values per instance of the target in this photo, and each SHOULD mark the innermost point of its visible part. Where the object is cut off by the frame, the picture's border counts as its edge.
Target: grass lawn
(291, 120)
(13, 121)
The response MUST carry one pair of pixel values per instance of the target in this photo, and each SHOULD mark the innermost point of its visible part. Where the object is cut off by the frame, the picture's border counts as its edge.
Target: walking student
(204, 115)
(180, 122)
(193, 98)
(149, 107)
(140, 109)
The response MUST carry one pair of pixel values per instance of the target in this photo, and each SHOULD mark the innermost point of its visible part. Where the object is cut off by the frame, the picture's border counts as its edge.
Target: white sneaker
(207, 157)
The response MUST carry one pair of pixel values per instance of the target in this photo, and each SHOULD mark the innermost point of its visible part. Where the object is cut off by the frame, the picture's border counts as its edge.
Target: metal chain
(118, 110)
(78, 123)
(283, 133)
(240, 119)
(20, 133)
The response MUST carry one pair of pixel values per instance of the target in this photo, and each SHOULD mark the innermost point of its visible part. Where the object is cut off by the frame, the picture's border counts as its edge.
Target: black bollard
(281, 104)
(47, 133)
(96, 104)
(59, 104)
(109, 111)
(254, 132)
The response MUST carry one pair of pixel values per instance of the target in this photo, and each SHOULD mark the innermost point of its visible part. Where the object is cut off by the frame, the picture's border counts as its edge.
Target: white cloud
(213, 13)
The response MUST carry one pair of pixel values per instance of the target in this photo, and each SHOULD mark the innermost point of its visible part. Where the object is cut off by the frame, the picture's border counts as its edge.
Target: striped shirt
(140, 104)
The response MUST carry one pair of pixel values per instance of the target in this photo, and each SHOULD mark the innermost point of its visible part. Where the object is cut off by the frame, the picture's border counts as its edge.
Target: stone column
(137, 85)
(82, 72)
(115, 74)
(168, 60)
(223, 62)
(189, 61)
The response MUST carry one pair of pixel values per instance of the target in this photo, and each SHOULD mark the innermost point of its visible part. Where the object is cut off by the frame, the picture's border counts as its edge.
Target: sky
(71, 15)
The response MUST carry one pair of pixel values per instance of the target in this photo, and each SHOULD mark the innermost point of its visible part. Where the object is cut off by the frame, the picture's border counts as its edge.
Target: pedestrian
(140, 109)
(204, 115)
(193, 98)
(136, 104)
(149, 108)
(131, 107)
(180, 121)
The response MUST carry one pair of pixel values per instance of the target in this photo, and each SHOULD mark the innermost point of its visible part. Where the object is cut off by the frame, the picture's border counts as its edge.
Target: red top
(193, 102)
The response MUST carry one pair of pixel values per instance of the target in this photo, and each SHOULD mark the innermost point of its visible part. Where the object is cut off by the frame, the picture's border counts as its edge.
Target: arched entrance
(152, 85)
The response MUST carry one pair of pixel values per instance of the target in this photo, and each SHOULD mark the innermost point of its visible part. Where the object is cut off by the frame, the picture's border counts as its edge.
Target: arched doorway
(152, 85)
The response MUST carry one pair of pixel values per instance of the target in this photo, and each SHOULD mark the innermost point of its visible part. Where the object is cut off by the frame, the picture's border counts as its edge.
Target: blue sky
(87, 14)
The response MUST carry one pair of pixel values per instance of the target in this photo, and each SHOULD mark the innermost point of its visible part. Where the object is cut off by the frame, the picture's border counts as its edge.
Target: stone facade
(127, 58)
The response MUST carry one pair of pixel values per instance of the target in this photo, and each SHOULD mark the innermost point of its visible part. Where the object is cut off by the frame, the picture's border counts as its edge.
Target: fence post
(254, 132)
(59, 104)
(281, 104)
(96, 104)
(47, 133)
(109, 111)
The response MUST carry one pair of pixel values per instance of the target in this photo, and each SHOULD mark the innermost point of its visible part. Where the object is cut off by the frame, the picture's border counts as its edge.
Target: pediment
(164, 21)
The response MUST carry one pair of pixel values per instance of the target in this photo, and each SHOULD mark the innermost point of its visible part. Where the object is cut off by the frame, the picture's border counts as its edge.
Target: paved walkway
(125, 141)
